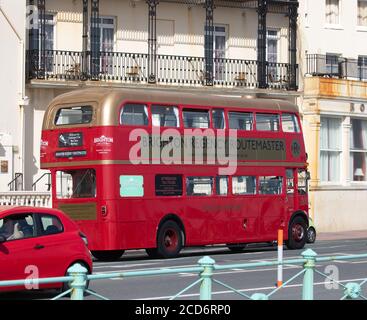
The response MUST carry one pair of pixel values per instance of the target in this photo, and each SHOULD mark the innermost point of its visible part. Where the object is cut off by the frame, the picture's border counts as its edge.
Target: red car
(39, 243)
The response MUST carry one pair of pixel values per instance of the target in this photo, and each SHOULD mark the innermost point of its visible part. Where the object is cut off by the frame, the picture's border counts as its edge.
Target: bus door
(302, 189)
(291, 197)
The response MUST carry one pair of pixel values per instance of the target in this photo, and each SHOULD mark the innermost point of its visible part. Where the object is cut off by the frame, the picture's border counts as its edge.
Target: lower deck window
(199, 186)
(270, 185)
(76, 184)
(244, 185)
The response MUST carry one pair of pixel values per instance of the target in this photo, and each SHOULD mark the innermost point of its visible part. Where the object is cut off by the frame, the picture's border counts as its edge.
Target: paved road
(246, 281)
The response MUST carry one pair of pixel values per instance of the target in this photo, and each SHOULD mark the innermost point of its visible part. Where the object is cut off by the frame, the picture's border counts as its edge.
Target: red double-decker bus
(111, 174)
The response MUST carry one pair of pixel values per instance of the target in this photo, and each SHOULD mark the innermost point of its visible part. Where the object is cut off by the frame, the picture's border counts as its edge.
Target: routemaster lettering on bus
(109, 151)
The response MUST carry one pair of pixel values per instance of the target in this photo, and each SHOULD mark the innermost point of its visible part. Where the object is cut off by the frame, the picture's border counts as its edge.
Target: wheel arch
(175, 218)
(295, 214)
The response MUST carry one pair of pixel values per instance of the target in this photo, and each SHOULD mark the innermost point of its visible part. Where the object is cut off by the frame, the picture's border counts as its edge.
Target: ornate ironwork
(292, 44)
(261, 43)
(208, 45)
(85, 39)
(41, 38)
(152, 41)
(95, 41)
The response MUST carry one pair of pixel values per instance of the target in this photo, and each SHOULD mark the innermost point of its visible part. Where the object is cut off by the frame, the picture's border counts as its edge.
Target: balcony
(336, 67)
(125, 68)
(335, 77)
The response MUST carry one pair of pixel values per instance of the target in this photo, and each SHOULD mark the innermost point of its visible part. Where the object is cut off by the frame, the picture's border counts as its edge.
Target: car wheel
(108, 255)
(297, 233)
(169, 240)
(236, 247)
(311, 235)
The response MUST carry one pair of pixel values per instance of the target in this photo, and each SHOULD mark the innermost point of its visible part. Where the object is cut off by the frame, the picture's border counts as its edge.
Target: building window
(272, 53)
(362, 13)
(49, 41)
(332, 11)
(358, 150)
(332, 63)
(362, 64)
(330, 149)
(107, 40)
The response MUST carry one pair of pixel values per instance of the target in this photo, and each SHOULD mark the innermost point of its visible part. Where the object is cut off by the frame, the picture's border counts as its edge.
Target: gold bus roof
(107, 102)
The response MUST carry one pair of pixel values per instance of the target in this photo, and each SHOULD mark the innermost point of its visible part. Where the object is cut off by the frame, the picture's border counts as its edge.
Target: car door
(17, 258)
(52, 245)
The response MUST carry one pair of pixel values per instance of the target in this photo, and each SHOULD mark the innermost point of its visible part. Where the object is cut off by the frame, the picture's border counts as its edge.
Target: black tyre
(297, 233)
(108, 255)
(152, 253)
(169, 240)
(236, 247)
(311, 235)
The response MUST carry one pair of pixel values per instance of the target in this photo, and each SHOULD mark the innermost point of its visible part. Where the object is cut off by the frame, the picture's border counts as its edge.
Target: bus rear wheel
(169, 240)
(108, 255)
(297, 233)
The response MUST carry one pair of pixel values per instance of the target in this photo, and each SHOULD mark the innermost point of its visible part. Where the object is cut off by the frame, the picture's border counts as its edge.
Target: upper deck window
(194, 118)
(267, 122)
(134, 115)
(165, 116)
(74, 115)
(240, 120)
(290, 123)
(218, 119)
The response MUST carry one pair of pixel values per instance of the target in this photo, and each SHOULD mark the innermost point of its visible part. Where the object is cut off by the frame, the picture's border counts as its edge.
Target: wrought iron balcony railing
(333, 66)
(171, 69)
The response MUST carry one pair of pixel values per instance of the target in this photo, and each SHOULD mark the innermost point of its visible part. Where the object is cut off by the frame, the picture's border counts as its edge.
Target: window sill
(333, 27)
(361, 29)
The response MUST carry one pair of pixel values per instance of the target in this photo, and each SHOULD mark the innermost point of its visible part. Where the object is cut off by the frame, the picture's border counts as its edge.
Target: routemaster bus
(109, 169)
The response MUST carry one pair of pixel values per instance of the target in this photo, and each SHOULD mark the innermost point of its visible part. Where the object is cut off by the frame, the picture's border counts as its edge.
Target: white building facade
(333, 37)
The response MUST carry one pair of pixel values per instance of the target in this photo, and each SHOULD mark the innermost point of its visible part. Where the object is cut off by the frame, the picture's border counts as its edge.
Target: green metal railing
(78, 278)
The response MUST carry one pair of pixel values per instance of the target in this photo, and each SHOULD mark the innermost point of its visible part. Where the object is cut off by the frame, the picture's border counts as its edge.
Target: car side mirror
(2, 239)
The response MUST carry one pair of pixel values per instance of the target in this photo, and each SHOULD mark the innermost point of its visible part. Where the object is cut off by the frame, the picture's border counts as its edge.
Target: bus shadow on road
(140, 255)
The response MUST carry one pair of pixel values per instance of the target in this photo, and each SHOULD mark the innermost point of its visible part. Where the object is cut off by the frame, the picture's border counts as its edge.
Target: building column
(345, 167)
(208, 42)
(292, 44)
(311, 128)
(261, 44)
(152, 41)
(85, 40)
(95, 41)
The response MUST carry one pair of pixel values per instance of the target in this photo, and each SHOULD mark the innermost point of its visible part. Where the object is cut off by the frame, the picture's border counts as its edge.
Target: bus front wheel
(297, 233)
(108, 255)
(169, 240)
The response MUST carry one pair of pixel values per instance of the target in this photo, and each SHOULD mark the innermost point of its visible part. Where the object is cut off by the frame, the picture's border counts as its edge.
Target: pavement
(355, 234)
